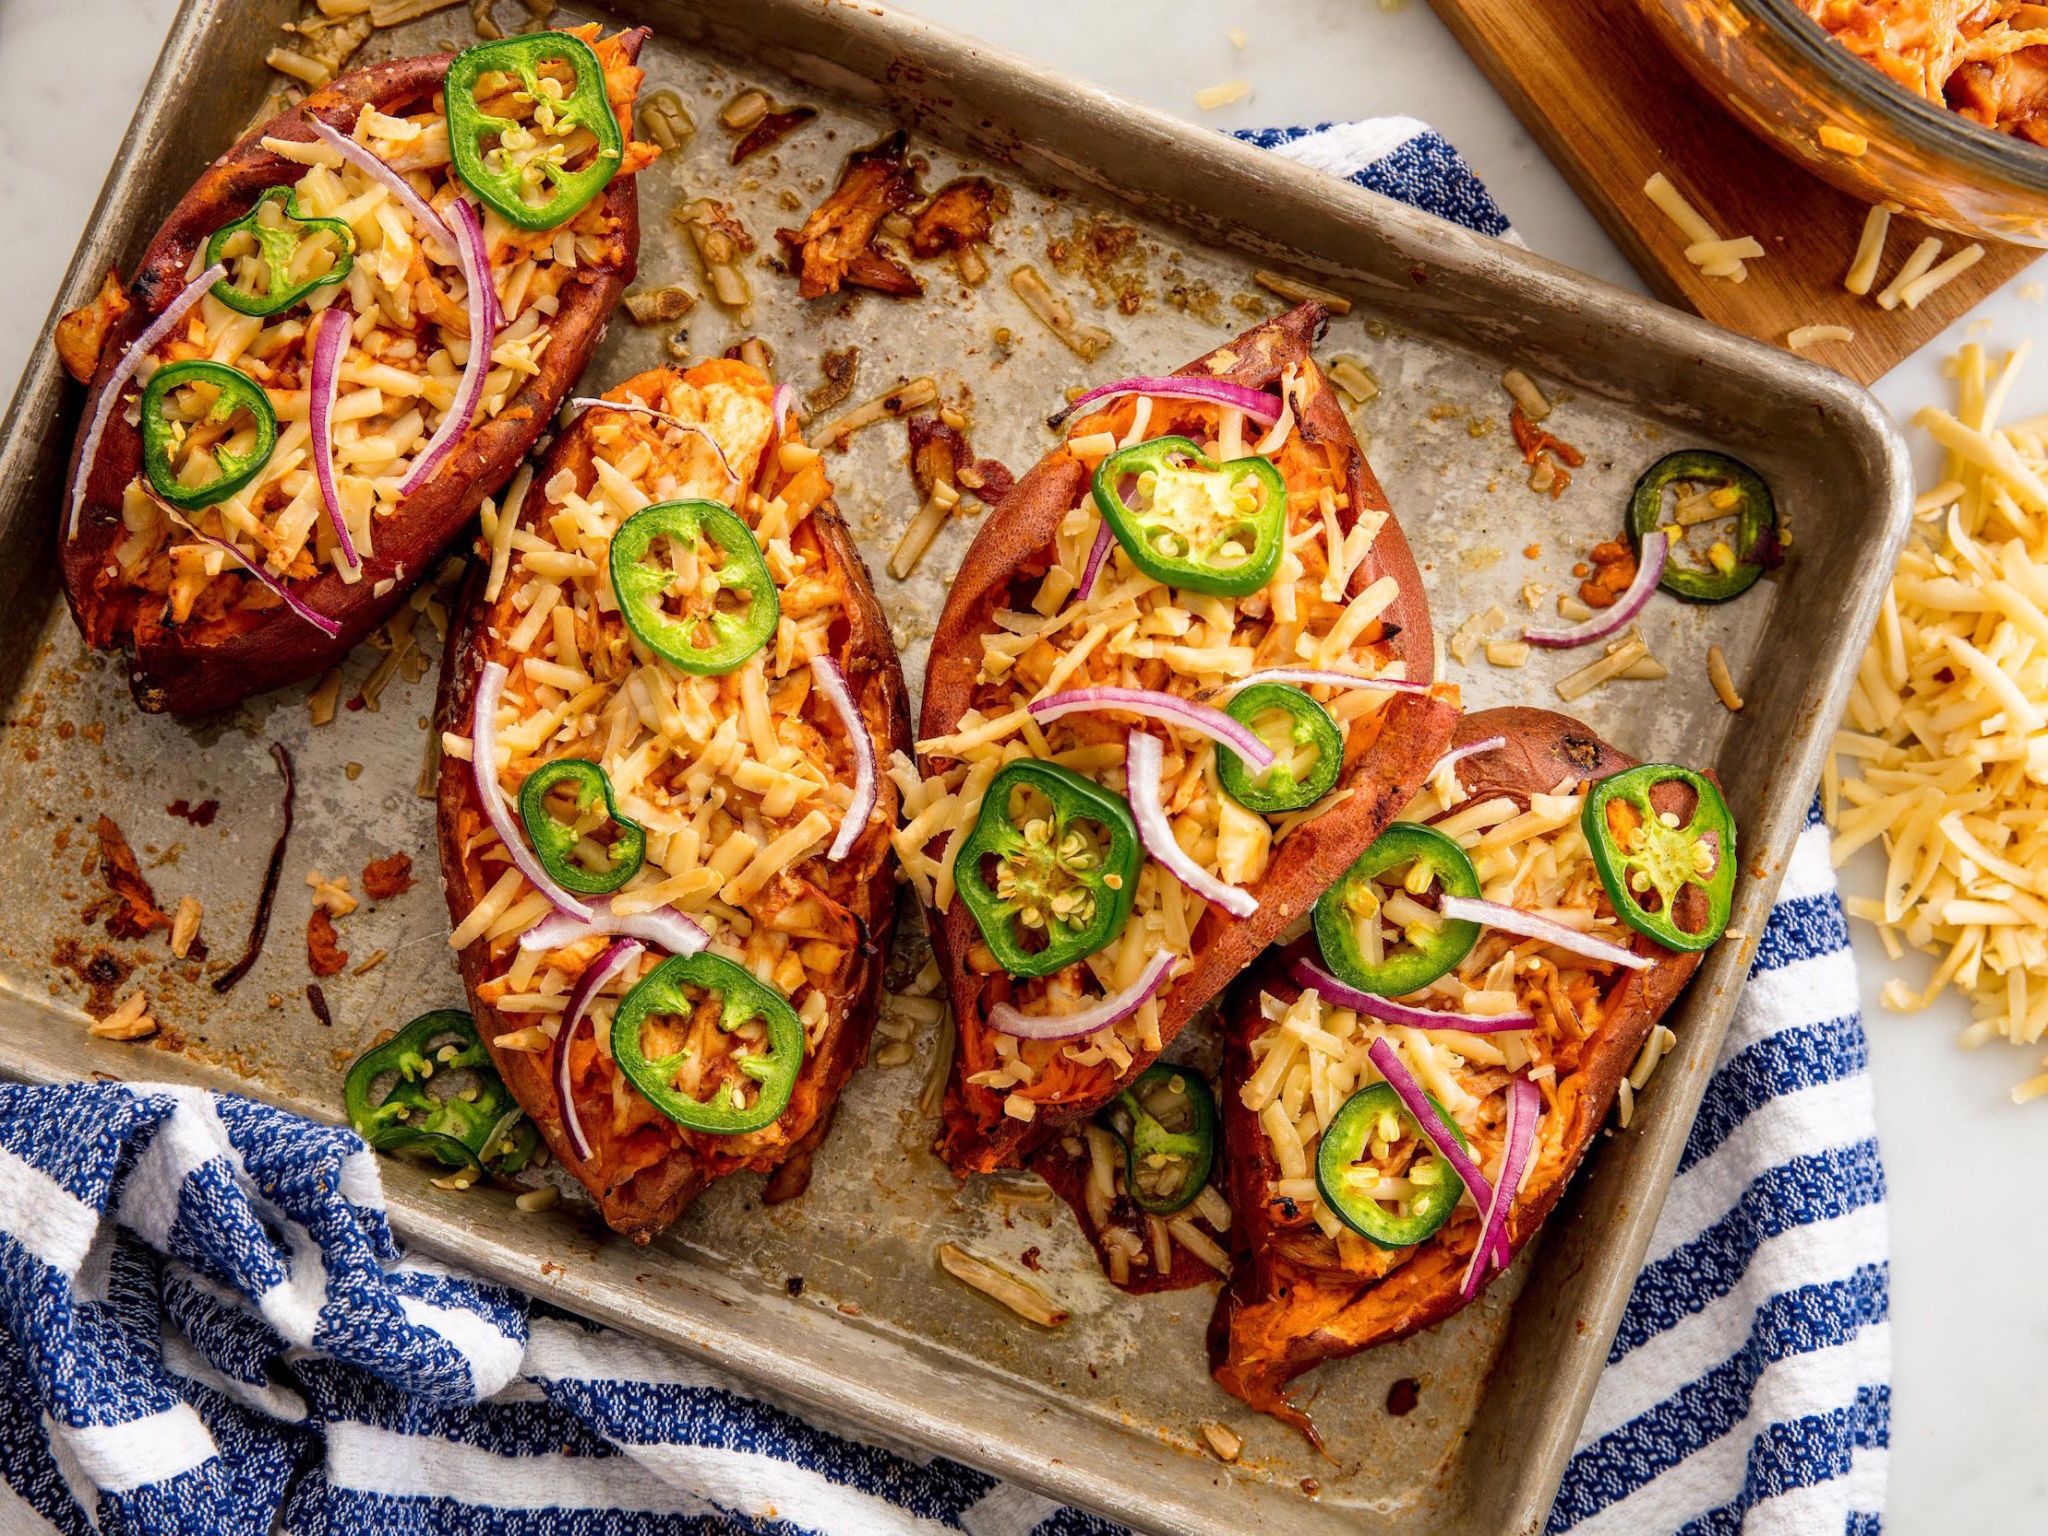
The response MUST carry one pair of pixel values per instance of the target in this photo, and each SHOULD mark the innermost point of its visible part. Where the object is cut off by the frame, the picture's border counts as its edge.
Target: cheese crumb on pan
(1210, 97)
(1941, 760)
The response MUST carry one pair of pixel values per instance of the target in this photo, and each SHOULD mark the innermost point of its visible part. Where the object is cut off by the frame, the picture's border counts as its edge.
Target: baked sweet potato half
(271, 458)
(1349, 1226)
(1189, 539)
(688, 693)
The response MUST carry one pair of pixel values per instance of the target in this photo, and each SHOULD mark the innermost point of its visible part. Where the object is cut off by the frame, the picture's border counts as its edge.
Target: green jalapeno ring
(587, 105)
(1756, 519)
(1669, 859)
(236, 390)
(640, 587)
(1038, 876)
(277, 247)
(1397, 975)
(1185, 566)
(1343, 1144)
(1308, 723)
(485, 1129)
(742, 997)
(555, 840)
(1146, 1137)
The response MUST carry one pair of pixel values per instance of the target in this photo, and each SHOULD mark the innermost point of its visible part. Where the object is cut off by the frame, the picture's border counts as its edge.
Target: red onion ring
(299, 606)
(780, 404)
(635, 408)
(1525, 1104)
(1656, 550)
(330, 341)
(1382, 1055)
(1093, 568)
(831, 680)
(1471, 749)
(1143, 758)
(124, 370)
(1307, 973)
(1009, 1020)
(1303, 677)
(1255, 403)
(366, 160)
(483, 741)
(1202, 719)
(1491, 914)
(476, 276)
(667, 929)
(601, 970)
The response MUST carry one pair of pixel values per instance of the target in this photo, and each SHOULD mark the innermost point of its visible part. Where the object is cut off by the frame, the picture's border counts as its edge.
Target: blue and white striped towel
(206, 1326)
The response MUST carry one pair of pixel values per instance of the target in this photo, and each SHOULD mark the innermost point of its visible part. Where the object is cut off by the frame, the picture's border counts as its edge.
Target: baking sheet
(1171, 221)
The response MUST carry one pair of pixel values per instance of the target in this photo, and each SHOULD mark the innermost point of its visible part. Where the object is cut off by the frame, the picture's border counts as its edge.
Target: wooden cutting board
(1593, 81)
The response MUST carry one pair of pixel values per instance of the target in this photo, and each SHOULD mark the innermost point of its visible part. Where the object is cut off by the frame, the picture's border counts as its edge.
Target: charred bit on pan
(260, 924)
(770, 130)
(835, 245)
(324, 954)
(138, 913)
(838, 368)
(1550, 458)
(317, 1001)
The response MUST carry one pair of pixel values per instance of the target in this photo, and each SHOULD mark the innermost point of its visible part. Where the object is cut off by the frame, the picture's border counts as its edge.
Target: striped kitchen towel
(206, 1325)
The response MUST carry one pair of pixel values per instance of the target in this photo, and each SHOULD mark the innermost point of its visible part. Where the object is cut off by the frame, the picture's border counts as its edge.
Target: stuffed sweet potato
(1351, 1226)
(287, 421)
(672, 921)
(1214, 551)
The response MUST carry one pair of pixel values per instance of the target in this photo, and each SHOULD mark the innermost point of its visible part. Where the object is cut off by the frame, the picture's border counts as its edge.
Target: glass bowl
(1782, 74)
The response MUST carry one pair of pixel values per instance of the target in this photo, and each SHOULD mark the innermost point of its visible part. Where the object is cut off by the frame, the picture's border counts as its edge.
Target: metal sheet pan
(1104, 1411)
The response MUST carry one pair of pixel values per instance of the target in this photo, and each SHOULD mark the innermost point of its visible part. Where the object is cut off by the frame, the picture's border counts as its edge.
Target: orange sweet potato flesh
(643, 1179)
(1382, 773)
(1289, 1305)
(203, 666)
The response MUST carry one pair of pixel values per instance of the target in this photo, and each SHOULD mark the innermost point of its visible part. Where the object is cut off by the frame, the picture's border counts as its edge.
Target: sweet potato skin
(199, 669)
(1068, 1176)
(1411, 735)
(1288, 1307)
(863, 882)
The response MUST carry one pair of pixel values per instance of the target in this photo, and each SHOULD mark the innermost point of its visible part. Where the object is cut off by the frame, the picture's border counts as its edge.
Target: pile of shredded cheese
(1942, 758)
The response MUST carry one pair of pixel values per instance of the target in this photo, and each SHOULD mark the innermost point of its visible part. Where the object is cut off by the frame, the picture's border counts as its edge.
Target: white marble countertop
(1970, 1325)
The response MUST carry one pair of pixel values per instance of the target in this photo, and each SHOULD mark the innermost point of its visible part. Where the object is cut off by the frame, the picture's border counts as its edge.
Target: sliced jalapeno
(1732, 489)
(1301, 723)
(1351, 915)
(729, 608)
(480, 1127)
(1051, 868)
(209, 432)
(279, 232)
(556, 840)
(1673, 883)
(770, 1064)
(1192, 523)
(1358, 1154)
(1166, 1121)
(521, 169)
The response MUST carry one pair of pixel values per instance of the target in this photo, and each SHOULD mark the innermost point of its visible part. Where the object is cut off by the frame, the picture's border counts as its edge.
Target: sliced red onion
(1656, 549)
(1470, 749)
(110, 397)
(1093, 568)
(667, 929)
(483, 741)
(366, 160)
(1143, 759)
(1202, 719)
(831, 680)
(1010, 1020)
(483, 335)
(329, 343)
(299, 606)
(1491, 914)
(1525, 1104)
(601, 970)
(780, 404)
(1382, 1055)
(1305, 677)
(1307, 973)
(1255, 403)
(635, 408)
